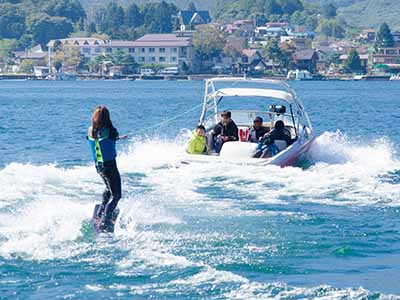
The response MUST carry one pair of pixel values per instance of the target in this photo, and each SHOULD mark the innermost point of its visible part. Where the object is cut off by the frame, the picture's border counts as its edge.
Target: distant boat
(299, 75)
(372, 77)
(359, 77)
(62, 77)
(395, 77)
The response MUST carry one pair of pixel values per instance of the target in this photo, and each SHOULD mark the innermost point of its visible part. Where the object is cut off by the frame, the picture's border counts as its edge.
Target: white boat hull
(285, 158)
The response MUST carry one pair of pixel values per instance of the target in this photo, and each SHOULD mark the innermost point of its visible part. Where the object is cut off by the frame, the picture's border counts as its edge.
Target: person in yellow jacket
(198, 142)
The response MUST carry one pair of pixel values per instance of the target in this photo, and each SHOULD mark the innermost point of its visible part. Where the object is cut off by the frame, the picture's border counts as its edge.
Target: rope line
(166, 121)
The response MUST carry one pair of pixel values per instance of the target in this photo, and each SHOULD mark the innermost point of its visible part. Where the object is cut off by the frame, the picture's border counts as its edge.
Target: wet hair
(279, 125)
(226, 113)
(201, 127)
(100, 119)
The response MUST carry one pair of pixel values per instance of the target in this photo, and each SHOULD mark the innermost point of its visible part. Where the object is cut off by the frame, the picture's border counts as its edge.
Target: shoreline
(193, 77)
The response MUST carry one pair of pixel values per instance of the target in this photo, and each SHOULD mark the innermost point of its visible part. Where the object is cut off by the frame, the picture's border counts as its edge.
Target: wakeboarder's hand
(122, 137)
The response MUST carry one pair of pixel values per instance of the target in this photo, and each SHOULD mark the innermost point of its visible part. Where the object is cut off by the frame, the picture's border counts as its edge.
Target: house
(367, 36)
(269, 32)
(165, 49)
(387, 56)
(35, 54)
(364, 58)
(252, 61)
(88, 47)
(237, 43)
(396, 38)
(306, 60)
(342, 46)
(245, 27)
(284, 25)
(188, 19)
(298, 43)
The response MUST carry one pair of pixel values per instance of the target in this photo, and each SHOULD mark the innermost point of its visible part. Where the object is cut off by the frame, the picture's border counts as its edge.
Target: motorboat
(299, 75)
(395, 77)
(246, 99)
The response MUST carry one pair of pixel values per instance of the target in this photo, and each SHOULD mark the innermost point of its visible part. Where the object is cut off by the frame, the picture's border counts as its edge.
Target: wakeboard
(97, 220)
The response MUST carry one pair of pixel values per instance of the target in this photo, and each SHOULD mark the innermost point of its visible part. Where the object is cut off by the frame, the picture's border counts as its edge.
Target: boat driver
(224, 131)
(257, 131)
(266, 146)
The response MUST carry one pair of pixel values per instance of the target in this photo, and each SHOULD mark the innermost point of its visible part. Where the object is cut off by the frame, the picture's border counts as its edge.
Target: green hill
(371, 13)
(200, 4)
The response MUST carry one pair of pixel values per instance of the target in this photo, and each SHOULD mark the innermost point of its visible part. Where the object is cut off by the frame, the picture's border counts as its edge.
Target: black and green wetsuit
(104, 154)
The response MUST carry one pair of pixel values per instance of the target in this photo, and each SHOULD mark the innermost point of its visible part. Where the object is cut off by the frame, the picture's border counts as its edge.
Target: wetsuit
(104, 155)
(230, 130)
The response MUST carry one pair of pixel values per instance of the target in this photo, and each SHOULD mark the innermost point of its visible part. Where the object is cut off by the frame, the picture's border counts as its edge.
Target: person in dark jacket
(102, 137)
(257, 131)
(266, 146)
(224, 131)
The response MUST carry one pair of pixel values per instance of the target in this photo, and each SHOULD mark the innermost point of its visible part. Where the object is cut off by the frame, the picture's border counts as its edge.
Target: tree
(164, 18)
(158, 17)
(290, 6)
(272, 50)
(353, 62)
(26, 66)
(45, 28)
(183, 68)
(59, 56)
(118, 57)
(70, 9)
(329, 10)
(74, 58)
(12, 22)
(277, 55)
(57, 65)
(333, 59)
(298, 18)
(272, 8)
(6, 48)
(128, 64)
(384, 37)
(110, 19)
(134, 17)
(192, 6)
(331, 28)
(208, 43)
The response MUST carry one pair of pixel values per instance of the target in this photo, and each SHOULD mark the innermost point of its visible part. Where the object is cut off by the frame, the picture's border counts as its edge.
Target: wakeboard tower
(97, 220)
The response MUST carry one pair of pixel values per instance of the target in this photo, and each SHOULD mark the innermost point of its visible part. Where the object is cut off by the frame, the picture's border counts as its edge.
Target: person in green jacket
(198, 142)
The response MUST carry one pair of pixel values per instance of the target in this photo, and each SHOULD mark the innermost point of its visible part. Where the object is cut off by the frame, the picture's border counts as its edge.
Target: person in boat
(198, 141)
(257, 131)
(224, 131)
(102, 137)
(267, 146)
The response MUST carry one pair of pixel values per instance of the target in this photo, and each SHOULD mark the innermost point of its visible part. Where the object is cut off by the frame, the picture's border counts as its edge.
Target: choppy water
(328, 230)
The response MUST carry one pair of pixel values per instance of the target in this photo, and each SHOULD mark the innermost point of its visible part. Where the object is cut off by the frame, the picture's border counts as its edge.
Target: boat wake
(187, 230)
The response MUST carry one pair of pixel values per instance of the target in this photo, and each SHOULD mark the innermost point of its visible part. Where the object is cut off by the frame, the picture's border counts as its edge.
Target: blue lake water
(328, 230)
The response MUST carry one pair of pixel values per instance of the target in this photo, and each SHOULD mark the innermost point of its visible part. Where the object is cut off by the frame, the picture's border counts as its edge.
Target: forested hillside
(358, 13)
(371, 13)
(200, 4)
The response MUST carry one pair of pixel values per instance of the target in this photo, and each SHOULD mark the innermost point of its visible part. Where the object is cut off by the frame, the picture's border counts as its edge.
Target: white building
(164, 49)
(89, 47)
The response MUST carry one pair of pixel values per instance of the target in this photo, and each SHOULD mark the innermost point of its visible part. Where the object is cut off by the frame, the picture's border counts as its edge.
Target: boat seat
(281, 144)
(243, 134)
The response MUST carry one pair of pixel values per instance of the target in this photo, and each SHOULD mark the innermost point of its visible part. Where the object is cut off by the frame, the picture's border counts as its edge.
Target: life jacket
(197, 144)
(103, 145)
